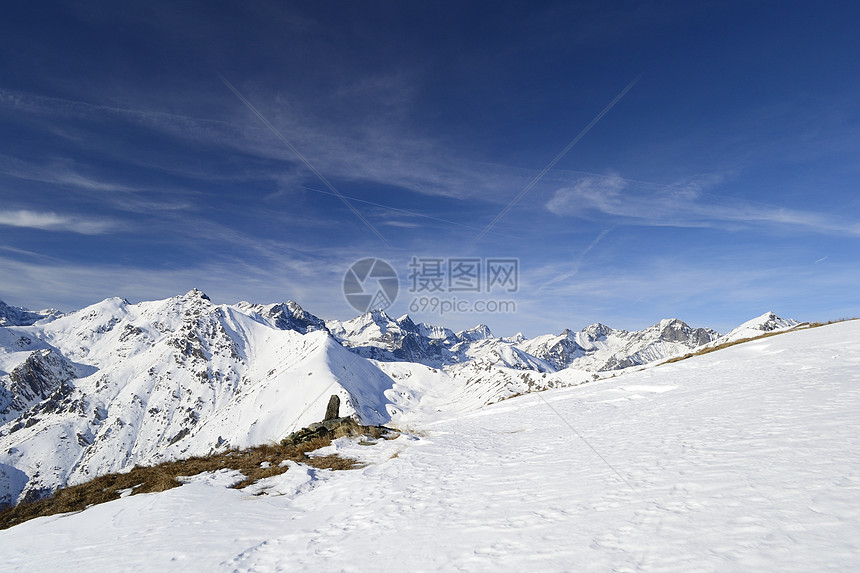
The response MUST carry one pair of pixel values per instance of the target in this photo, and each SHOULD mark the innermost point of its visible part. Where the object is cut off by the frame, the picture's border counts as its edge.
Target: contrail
(575, 270)
(555, 160)
(303, 159)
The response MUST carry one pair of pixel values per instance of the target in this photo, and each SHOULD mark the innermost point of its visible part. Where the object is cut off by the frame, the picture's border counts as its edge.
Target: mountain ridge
(116, 384)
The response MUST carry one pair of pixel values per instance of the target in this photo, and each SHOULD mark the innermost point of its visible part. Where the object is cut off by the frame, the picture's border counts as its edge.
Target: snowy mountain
(286, 316)
(376, 335)
(17, 316)
(768, 322)
(596, 348)
(744, 459)
(118, 384)
(599, 348)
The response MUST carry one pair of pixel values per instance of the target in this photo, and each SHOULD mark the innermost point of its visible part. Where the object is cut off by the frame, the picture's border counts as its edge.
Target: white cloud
(589, 193)
(683, 205)
(49, 221)
(363, 147)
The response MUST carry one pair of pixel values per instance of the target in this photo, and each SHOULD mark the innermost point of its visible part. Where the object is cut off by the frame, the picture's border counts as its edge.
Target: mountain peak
(767, 322)
(597, 329)
(19, 316)
(477, 332)
(515, 339)
(286, 316)
(196, 294)
(378, 315)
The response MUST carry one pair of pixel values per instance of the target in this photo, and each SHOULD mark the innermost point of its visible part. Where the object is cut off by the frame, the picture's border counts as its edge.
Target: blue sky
(724, 183)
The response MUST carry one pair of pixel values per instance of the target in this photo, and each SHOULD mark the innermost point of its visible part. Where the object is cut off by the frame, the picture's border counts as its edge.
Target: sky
(636, 160)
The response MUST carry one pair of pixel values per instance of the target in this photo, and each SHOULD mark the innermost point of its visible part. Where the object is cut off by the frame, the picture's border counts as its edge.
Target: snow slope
(745, 459)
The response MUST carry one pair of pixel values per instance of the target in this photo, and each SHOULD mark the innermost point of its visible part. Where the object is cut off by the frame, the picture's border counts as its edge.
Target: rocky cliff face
(43, 375)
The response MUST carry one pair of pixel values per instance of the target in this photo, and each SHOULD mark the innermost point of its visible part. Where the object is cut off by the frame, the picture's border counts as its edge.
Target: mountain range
(117, 384)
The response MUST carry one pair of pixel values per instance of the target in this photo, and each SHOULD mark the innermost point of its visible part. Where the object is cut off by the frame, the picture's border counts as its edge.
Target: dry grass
(147, 479)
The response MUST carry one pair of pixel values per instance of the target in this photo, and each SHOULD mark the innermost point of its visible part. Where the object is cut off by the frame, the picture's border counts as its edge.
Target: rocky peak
(673, 330)
(195, 294)
(406, 323)
(43, 372)
(478, 332)
(596, 330)
(18, 316)
(379, 316)
(288, 316)
(770, 321)
(767, 322)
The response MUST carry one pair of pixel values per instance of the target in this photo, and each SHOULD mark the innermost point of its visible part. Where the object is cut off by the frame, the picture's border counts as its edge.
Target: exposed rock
(333, 429)
(39, 377)
(333, 409)
(286, 316)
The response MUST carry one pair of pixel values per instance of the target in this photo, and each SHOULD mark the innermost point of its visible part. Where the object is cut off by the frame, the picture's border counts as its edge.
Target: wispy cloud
(401, 224)
(34, 281)
(69, 175)
(382, 150)
(49, 221)
(57, 173)
(683, 205)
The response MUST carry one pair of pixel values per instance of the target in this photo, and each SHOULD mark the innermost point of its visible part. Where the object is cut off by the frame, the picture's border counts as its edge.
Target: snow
(171, 378)
(745, 459)
(768, 322)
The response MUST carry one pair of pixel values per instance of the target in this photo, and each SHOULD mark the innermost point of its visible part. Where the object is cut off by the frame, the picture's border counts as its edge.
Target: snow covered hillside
(117, 384)
(744, 459)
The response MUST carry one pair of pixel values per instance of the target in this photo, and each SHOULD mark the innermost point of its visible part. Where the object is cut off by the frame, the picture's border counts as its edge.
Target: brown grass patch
(161, 477)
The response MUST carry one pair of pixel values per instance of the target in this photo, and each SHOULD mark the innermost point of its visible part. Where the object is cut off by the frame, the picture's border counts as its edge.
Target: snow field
(747, 459)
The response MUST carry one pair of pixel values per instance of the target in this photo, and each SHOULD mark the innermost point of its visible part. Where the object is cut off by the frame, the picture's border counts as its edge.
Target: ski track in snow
(741, 460)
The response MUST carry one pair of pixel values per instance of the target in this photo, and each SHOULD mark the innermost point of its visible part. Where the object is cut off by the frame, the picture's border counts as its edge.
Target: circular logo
(370, 283)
